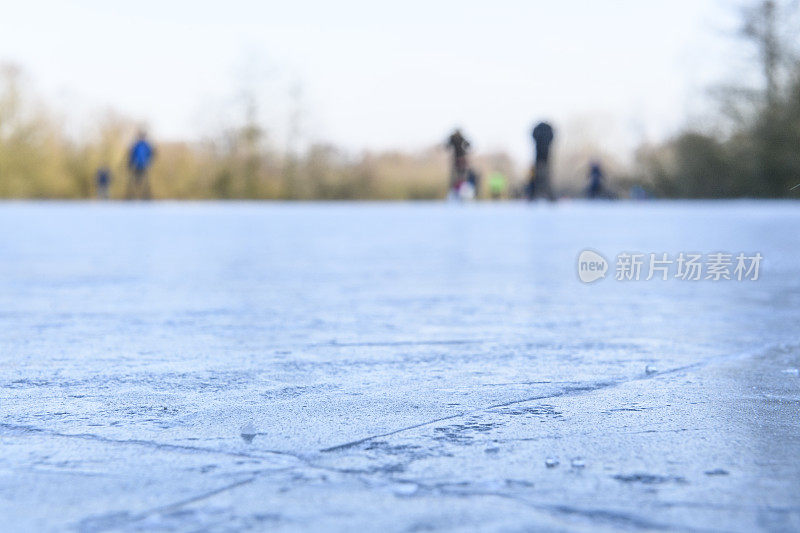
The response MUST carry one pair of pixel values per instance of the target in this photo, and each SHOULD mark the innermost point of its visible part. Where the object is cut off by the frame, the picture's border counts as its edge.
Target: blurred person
(596, 178)
(497, 185)
(102, 182)
(465, 192)
(539, 184)
(467, 189)
(530, 185)
(140, 157)
(459, 146)
(474, 179)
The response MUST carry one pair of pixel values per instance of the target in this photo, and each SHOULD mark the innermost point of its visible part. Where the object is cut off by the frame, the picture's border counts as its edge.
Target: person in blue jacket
(140, 158)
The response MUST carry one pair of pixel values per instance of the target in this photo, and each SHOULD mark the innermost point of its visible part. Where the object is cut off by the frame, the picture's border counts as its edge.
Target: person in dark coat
(595, 181)
(459, 146)
(539, 184)
(102, 182)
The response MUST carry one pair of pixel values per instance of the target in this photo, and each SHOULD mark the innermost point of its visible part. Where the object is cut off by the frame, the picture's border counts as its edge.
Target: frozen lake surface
(398, 367)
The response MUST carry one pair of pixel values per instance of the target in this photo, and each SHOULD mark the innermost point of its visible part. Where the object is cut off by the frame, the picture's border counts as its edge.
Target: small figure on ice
(463, 180)
(140, 158)
(596, 178)
(498, 184)
(539, 184)
(597, 189)
(102, 182)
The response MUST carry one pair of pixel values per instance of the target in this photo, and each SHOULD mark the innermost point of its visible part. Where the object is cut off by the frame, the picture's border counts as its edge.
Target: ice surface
(336, 367)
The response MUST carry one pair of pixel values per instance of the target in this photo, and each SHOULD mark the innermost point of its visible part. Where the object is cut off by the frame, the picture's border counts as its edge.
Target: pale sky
(375, 75)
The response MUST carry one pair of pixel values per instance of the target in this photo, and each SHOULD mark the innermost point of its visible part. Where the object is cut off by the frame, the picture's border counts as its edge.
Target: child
(102, 182)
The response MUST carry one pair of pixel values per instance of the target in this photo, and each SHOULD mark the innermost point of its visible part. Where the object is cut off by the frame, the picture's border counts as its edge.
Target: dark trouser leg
(530, 187)
(138, 185)
(459, 171)
(145, 182)
(453, 177)
(543, 186)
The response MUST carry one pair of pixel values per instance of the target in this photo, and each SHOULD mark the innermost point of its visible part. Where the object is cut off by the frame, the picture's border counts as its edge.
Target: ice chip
(248, 432)
(551, 462)
(591, 266)
(578, 463)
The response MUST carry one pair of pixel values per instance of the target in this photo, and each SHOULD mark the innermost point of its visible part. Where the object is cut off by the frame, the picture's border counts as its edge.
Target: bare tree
(771, 27)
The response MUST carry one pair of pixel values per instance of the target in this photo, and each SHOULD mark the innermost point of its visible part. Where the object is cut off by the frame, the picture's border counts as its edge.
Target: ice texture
(394, 367)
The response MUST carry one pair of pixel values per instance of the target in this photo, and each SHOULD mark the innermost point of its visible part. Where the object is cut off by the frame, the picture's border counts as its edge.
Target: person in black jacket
(595, 181)
(539, 184)
(459, 146)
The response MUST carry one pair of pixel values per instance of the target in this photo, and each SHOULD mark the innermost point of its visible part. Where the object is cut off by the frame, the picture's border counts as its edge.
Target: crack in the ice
(568, 391)
(115, 520)
(111, 521)
(146, 443)
(456, 342)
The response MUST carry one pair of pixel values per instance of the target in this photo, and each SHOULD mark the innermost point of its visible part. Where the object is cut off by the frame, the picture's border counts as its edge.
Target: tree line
(752, 148)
